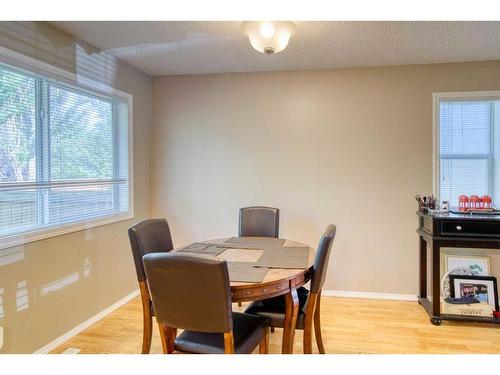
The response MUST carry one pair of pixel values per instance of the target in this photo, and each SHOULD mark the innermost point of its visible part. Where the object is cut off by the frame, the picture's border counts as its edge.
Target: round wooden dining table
(277, 282)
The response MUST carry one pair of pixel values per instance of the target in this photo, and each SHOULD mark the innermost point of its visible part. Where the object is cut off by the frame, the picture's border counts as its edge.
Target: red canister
(486, 201)
(463, 203)
(474, 202)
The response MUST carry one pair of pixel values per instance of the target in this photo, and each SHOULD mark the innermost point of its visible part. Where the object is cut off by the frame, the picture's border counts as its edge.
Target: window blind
(63, 153)
(468, 152)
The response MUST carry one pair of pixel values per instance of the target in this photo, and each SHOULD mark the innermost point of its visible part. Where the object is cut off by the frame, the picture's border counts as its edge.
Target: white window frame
(436, 154)
(33, 66)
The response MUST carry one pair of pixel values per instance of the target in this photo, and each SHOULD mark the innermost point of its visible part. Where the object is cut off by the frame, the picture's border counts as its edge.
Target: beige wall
(99, 259)
(350, 147)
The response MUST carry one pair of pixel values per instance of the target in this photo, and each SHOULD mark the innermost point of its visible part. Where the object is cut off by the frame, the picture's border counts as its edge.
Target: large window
(468, 146)
(64, 155)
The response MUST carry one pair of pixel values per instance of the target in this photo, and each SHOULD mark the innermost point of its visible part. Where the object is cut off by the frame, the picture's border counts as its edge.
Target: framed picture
(482, 288)
(479, 266)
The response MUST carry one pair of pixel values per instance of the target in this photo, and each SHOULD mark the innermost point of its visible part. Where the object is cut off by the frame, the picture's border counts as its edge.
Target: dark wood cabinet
(451, 230)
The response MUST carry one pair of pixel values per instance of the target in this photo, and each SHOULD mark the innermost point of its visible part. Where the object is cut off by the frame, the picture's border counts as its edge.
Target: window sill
(42, 234)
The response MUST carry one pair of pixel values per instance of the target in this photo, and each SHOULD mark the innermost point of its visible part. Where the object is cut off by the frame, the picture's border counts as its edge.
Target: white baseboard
(371, 295)
(79, 328)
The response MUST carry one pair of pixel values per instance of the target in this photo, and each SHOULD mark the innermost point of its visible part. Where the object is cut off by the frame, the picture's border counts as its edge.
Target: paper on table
(240, 255)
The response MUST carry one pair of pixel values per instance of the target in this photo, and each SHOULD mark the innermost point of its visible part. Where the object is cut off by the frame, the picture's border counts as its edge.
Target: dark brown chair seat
(194, 294)
(309, 301)
(259, 221)
(273, 308)
(248, 332)
(148, 236)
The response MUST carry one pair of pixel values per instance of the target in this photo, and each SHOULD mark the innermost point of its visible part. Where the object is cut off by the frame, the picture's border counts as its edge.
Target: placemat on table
(255, 241)
(193, 248)
(245, 272)
(202, 248)
(213, 250)
(228, 245)
(284, 257)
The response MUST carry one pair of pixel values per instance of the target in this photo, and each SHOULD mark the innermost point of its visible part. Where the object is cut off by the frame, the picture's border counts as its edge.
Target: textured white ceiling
(165, 48)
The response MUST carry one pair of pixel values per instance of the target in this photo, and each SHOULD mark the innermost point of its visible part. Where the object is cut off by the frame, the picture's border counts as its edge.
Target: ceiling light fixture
(268, 37)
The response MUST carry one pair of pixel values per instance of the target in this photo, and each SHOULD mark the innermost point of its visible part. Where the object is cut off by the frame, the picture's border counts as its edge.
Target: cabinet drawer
(470, 228)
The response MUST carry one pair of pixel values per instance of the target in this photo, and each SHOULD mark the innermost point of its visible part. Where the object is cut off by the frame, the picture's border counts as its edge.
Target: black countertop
(463, 216)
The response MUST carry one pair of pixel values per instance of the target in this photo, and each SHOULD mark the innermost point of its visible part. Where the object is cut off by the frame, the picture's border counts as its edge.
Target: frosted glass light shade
(268, 36)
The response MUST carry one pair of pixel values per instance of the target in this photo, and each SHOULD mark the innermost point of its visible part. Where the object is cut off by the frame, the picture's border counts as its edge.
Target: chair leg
(317, 325)
(308, 323)
(167, 335)
(228, 343)
(147, 329)
(289, 325)
(172, 334)
(147, 333)
(264, 344)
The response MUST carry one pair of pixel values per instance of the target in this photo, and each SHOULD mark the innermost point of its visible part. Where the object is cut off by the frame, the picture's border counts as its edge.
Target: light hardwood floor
(349, 326)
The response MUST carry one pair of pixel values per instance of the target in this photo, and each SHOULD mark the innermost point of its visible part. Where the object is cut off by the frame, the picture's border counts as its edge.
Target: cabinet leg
(436, 280)
(436, 321)
(423, 268)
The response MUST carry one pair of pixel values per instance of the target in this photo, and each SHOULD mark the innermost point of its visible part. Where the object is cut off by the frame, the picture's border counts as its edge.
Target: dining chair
(193, 294)
(148, 236)
(309, 300)
(259, 221)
